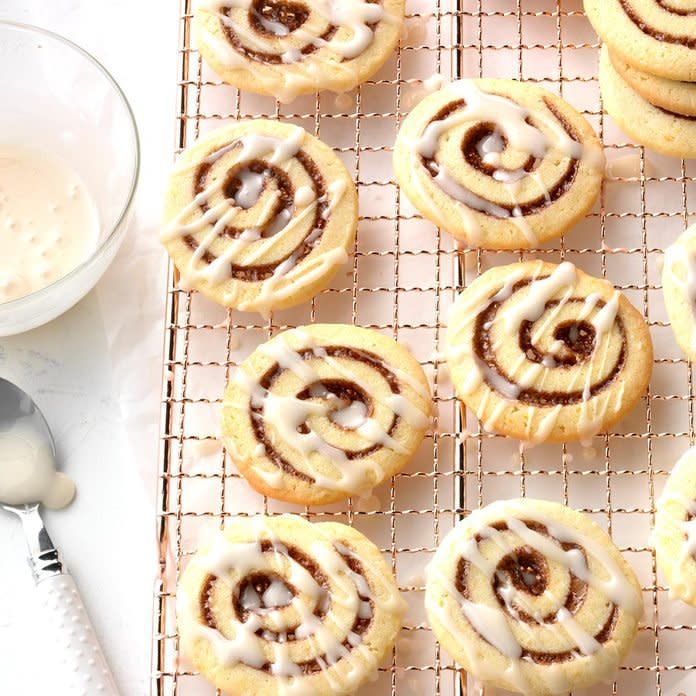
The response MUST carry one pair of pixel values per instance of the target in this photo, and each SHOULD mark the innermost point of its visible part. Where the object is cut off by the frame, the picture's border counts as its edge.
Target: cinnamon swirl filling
(259, 215)
(296, 29)
(498, 163)
(574, 344)
(526, 569)
(274, 19)
(325, 411)
(334, 392)
(261, 593)
(245, 186)
(657, 32)
(289, 606)
(547, 352)
(487, 138)
(533, 597)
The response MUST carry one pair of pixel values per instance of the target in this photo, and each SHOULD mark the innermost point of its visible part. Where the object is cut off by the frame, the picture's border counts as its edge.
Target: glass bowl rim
(112, 236)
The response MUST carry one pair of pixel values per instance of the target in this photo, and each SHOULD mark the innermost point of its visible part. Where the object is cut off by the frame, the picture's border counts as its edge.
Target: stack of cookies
(647, 70)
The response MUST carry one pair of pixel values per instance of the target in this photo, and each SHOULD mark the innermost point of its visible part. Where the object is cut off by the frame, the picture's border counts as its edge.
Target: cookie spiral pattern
(285, 48)
(498, 163)
(544, 352)
(657, 36)
(259, 215)
(278, 605)
(675, 530)
(323, 412)
(533, 597)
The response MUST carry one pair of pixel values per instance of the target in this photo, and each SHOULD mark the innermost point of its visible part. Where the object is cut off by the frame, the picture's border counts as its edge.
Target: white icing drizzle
(501, 626)
(558, 286)
(540, 293)
(348, 596)
(289, 275)
(251, 246)
(511, 123)
(354, 19)
(493, 627)
(49, 222)
(435, 81)
(587, 644)
(353, 415)
(287, 414)
(490, 108)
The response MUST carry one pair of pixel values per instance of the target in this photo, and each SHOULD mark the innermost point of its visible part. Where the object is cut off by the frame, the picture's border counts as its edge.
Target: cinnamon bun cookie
(659, 129)
(655, 36)
(679, 289)
(545, 352)
(285, 48)
(674, 536)
(326, 411)
(531, 596)
(259, 215)
(281, 606)
(670, 95)
(499, 164)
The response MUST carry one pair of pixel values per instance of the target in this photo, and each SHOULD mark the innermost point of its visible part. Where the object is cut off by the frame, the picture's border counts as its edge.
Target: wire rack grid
(403, 277)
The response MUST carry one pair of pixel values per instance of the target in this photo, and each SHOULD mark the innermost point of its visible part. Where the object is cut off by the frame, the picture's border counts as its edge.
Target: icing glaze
(525, 136)
(521, 624)
(305, 419)
(27, 471)
(48, 221)
(342, 29)
(318, 602)
(269, 221)
(537, 305)
(506, 114)
(435, 81)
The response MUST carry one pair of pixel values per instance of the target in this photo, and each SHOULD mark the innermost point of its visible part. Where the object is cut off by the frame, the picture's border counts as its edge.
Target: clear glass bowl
(58, 98)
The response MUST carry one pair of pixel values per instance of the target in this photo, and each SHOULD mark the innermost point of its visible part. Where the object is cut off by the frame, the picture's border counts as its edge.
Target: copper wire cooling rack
(403, 277)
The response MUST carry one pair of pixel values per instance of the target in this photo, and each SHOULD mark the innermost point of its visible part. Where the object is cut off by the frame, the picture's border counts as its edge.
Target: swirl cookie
(679, 289)
(664, 131)
(259, 215)
(281, 606)
(544, 352)
(499, 164)
(655, 36)
(670, 95)
(322, 412)
(674, 536)
(533, 597)
(285, 48)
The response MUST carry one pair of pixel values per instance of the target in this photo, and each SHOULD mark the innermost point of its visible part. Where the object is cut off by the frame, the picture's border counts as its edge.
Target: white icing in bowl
(48, 221)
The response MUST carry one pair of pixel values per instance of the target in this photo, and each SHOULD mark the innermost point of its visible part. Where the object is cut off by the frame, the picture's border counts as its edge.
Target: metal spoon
(86, 670)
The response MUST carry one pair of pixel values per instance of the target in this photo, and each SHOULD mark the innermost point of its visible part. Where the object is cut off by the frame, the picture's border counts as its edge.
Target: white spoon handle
(86, 672)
